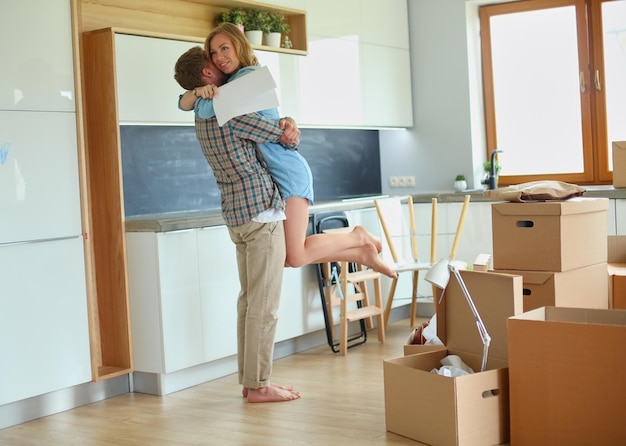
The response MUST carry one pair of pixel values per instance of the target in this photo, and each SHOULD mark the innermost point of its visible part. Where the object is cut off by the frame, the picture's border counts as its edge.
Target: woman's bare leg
(357, 245)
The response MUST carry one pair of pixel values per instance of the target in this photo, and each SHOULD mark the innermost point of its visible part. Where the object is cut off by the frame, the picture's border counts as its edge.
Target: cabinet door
(36, 55)
(180, 300)
(44, 333)
(219, 289)
(39, 188)
(147, 90)
(385, 79)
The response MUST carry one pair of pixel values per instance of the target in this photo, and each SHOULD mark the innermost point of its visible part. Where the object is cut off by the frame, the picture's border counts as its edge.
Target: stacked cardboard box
(558, 247)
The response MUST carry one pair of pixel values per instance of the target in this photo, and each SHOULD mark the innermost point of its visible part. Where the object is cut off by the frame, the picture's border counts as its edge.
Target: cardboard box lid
(576, 205)
(497, 296)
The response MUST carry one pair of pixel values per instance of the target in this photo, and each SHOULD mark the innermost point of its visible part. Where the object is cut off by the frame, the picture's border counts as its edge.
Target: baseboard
(61, 400)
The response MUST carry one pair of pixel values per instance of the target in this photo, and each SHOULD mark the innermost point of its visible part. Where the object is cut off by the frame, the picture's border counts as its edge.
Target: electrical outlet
(402, 181)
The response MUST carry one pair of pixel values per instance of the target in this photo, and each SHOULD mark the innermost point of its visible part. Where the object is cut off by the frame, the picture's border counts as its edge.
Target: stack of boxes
(566, 363)
(558, 247)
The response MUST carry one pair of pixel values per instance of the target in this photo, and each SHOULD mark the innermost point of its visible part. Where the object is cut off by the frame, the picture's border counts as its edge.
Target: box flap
(616, 249)
(576, 205)
(497, 296)
(619, 145)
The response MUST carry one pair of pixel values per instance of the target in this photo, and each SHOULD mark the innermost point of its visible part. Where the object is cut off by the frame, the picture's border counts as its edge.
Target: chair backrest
(329, 220)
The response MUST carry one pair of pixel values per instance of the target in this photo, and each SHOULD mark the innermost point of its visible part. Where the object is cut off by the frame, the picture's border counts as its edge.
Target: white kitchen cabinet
(165, 300)
(36, 55)
(44, 331)
(149, 98)
(219, 290)
(367, 21)
(385, 75)
(619, 218)
(39, 186)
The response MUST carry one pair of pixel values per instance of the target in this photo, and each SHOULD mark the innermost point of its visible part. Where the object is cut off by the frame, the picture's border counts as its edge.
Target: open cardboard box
(567, 383)
(585, 287)
(466, 410)
(549, 236)
(619, 163)
(617, 271)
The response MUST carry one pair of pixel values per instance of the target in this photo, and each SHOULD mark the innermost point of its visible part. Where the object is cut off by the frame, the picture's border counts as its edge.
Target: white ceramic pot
(460, 186)
(272, 39)
(255, 37)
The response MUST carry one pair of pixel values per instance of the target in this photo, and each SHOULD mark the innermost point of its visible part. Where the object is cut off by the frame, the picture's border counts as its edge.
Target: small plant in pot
(276, 26)
(255, 24)
(459, 183)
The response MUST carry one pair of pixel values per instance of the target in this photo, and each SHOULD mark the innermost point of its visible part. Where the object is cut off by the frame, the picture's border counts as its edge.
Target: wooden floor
(342, 404)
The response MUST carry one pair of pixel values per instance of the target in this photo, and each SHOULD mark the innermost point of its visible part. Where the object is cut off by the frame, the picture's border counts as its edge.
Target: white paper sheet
(250, 93)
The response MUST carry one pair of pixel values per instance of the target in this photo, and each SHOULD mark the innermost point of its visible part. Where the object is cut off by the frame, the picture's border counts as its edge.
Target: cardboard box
(619, 163)
(549, 236)
(585, 287)
(467, 410)
(566, 371)
(617, 271)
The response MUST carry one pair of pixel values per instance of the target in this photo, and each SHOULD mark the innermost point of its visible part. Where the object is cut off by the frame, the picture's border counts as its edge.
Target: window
(554, 74)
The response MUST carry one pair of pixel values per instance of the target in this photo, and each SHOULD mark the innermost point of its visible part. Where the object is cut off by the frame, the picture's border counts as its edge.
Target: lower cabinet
(44, 332)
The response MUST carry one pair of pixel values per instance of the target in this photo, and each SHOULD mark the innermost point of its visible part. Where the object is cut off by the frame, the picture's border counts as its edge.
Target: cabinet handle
(41, 240)
(178, 231)
(597, 81)
(581, 81)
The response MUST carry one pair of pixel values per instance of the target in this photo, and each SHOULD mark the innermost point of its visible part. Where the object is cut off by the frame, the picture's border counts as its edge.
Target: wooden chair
(400, 247)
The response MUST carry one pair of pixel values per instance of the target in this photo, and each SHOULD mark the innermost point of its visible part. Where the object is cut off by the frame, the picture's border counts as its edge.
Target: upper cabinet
(37, 71)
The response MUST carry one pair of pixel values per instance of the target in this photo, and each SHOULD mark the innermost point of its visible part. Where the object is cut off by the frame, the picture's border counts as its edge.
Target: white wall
(448, 133)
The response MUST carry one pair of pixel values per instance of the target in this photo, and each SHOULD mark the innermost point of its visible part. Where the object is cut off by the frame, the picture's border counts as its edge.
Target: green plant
(235, 15)
(277, 23)
(487, 167)
(256, 19)
(460, 178)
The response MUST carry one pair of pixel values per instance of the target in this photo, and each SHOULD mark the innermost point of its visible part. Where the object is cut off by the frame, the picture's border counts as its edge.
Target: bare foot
(372, 260)
(272, 394)
(368, 237)
(245, 390)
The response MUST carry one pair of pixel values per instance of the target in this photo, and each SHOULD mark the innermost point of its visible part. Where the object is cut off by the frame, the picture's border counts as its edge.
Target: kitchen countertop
(198, 219)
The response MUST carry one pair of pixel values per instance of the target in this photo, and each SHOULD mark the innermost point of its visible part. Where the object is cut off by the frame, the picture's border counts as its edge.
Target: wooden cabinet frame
(95, 23)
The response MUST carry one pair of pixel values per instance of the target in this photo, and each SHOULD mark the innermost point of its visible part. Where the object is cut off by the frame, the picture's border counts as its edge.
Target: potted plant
(255, 24)
(460, 184)
(276, 26)
(487, 178)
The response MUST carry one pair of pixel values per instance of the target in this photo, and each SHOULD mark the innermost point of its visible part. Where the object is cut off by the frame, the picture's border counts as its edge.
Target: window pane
(536, 91)
(614, 27)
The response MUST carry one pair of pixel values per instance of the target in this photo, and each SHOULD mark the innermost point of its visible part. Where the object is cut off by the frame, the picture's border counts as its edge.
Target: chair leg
(414, 297)
(343, 335)
(330, 294)
(380, 320)
(392, 291)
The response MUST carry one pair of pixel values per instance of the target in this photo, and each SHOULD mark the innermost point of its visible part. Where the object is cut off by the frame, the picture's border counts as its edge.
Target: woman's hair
(188, 68)
(240, 44)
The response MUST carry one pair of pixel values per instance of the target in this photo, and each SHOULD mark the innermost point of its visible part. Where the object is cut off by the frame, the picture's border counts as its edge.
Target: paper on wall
(250, 93)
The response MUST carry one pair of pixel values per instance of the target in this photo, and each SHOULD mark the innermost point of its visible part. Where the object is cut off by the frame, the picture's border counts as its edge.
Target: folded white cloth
(453, 366)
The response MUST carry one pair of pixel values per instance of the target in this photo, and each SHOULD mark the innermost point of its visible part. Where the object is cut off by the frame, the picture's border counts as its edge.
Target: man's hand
(291, 135)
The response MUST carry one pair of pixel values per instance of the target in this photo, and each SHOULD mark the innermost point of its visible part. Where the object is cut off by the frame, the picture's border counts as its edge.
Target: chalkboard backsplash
(164, 170)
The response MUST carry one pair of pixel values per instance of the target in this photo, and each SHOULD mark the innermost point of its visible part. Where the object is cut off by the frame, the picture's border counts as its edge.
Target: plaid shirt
(246, 186)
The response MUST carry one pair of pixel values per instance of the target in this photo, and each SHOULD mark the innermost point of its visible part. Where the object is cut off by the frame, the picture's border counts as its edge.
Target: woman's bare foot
(372, 260)
(272, 394)
(368, 237)
(245, 390)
